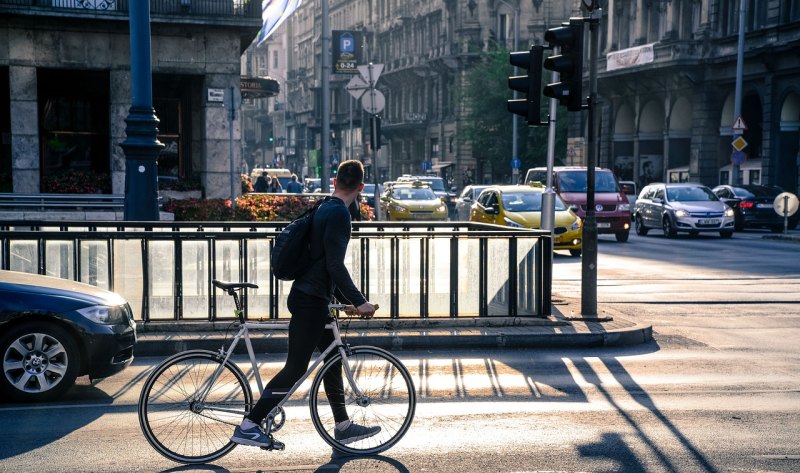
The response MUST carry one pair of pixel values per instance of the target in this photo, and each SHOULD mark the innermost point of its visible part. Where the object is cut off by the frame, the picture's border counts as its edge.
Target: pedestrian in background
(273, 184)
(261, 183)
(294, 187)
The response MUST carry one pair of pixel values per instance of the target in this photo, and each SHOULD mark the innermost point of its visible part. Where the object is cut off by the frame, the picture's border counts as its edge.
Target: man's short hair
(294, 177)
(350, 175)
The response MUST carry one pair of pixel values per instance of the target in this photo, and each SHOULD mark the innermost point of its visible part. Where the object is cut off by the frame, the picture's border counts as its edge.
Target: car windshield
(526, 202)
(690, 194)
(411, 193)
(575, 181)
(436, 184)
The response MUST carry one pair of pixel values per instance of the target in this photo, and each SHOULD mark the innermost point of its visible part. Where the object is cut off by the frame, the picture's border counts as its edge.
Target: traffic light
(270, 141)
(568, 63)
(530, 84)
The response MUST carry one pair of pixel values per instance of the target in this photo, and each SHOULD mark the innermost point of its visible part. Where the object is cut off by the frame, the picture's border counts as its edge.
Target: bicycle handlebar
(347, 308)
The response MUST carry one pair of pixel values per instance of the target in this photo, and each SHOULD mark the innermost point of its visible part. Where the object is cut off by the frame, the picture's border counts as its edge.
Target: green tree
(488, 122)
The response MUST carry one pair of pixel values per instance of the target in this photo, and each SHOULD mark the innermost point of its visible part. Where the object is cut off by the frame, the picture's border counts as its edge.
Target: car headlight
(624, 207)
(512, 223)
(681, 213)
(396, 208)
(576, 225)
(729, 212)
(101, 314)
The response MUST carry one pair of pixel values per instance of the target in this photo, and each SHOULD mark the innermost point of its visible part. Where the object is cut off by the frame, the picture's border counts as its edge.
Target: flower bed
(249, 208)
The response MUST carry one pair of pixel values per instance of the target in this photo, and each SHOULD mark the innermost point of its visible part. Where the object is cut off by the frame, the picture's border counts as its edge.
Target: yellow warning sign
(739, 144)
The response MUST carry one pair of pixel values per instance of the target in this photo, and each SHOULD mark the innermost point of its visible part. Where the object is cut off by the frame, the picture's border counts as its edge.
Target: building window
(73, 129)
(790, 10)
(274, 59)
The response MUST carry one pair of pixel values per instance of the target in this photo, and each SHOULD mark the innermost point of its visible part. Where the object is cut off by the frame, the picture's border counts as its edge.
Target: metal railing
(14, 200)
(414, 269)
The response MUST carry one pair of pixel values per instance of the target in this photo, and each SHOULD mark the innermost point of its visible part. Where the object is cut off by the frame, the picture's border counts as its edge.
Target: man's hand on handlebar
(364, 311)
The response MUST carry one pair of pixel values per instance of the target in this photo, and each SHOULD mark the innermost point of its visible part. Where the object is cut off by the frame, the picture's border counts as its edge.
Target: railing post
(512, 277)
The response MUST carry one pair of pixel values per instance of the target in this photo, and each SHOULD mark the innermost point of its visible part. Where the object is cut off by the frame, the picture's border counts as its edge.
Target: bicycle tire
(389, 394)
(172, 421)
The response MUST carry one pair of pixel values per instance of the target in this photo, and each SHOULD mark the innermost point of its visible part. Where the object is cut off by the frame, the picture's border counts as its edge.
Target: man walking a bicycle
(308, 303)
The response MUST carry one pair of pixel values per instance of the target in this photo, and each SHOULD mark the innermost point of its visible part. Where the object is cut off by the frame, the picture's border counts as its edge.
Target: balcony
(181, 11)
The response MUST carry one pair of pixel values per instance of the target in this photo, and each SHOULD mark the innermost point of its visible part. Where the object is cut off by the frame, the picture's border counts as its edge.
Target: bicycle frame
(244, 333)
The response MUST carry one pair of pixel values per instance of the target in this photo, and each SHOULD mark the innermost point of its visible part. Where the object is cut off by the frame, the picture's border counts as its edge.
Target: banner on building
(347, 48)
(630, 57)
(273, 13)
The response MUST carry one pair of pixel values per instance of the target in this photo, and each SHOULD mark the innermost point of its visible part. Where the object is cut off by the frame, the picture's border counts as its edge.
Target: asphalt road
(718, 389)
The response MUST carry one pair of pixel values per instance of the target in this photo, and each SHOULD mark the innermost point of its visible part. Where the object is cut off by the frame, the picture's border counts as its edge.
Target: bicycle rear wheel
(180, 425)
(387, 400)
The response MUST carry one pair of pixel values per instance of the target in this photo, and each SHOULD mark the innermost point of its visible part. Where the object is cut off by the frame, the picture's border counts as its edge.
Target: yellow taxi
(521, 207)
(412, 201)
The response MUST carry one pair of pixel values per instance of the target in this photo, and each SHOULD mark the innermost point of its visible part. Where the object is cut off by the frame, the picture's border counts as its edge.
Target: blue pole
(141, 145)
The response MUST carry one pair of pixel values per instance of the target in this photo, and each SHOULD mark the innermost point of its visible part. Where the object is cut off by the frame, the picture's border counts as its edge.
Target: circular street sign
(373, 101)
(738, 157)
(785, 201)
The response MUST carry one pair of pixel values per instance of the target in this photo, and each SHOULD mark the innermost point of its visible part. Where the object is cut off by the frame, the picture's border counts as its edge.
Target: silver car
(465, 200)
(685, 207)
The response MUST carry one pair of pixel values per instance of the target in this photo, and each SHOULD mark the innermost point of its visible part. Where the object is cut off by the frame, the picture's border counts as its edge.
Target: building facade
(667, 81)
(65, 90)
(426, 48)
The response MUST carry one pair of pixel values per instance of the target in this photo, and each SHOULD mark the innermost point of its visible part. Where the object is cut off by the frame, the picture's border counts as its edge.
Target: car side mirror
(493, 210)
(467, 198)
(453, 189)
(657, 200)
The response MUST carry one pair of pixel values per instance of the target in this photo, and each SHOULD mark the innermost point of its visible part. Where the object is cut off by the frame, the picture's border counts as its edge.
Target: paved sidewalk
(565, 328)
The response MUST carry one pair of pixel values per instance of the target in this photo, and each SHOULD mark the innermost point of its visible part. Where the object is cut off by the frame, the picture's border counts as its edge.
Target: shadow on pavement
(31, 430)
(638, 394)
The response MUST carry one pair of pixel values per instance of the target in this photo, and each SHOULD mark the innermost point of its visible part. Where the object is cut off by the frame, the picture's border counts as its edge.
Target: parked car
(612, 211)
(753, 206)
(683, 207)
(629, 188)
(521, 206)
(465, 200)
(53, 330)
(413, 201)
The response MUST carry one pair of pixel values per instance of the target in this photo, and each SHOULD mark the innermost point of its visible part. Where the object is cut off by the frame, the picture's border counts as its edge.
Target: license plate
(708, 221)
(603, 225)
(764, 206)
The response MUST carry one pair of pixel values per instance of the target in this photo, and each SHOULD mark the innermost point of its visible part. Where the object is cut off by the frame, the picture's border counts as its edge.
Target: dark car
(368, 194)
(753, 206)
(53, 330)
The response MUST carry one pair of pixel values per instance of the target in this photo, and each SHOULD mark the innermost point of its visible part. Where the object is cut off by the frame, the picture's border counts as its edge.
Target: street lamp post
(141, 145)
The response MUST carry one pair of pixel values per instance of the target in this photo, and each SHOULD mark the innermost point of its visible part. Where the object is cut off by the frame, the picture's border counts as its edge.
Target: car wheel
(622, 237)
(669, 229)
(641, 230)
(40, 362)
(575, 253)
(726, 234)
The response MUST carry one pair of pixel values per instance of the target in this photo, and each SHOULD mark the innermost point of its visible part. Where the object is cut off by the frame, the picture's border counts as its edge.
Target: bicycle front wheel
(381, 396)
(179, 420)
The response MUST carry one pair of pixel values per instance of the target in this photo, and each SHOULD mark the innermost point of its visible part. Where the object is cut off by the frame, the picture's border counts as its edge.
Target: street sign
(739, 143)
(786, 202)
(515, 163)
(364, 70)
(739, 125)
(373, 101)
(738, 157)
(356, 87)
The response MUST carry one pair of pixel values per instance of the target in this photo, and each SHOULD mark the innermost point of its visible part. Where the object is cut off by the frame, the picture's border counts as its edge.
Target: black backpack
(291, 253)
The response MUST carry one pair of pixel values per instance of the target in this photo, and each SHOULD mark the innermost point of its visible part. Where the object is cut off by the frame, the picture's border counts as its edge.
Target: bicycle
(191, 402)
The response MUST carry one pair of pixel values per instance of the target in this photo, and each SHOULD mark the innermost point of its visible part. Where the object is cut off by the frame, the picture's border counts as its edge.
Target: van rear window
(575, 181)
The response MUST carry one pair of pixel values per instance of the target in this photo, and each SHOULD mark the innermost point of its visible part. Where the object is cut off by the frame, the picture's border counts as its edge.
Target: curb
(152, 344)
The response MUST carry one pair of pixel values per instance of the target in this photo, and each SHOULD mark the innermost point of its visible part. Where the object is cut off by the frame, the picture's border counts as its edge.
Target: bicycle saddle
(227, 286)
